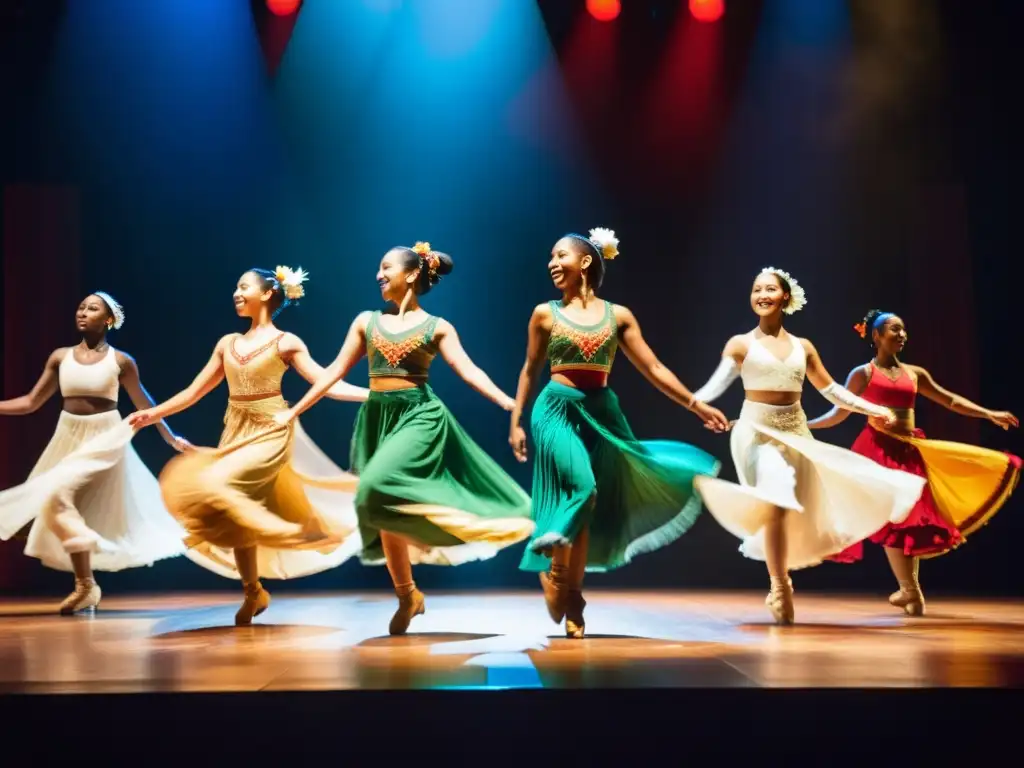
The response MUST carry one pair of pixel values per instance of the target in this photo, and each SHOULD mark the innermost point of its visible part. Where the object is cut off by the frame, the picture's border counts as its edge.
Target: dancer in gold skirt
(250, 494)
(967, 484)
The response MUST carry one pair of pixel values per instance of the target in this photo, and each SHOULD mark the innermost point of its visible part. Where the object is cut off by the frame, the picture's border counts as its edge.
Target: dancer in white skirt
(91, 502)
(266, 503)
(798, 500)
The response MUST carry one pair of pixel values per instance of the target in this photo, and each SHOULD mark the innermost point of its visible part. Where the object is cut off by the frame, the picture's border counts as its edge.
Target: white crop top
(94, 380)
(764, 372)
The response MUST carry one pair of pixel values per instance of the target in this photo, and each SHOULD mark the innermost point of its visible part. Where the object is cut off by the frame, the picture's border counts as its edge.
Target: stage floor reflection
(319, 641)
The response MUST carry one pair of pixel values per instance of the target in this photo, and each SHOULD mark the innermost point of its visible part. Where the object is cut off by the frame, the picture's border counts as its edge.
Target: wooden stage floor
(665, 640)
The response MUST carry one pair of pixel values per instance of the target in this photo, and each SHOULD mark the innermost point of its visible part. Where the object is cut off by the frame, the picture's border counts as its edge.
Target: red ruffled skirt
(925, 531)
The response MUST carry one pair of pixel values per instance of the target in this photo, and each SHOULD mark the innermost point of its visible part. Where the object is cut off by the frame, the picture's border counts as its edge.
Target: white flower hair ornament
(606, 241)
(797, 297)
(116, 310)
(291, 281)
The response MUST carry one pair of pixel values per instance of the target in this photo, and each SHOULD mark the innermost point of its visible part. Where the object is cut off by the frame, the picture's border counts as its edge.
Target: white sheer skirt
(833, 497)
(90, 492)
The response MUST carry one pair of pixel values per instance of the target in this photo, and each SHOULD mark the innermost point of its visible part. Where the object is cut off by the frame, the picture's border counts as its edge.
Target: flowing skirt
(422, 477)
(90, 492)
(589, 469)
(832, 497)
(254, 490)
(966, 486)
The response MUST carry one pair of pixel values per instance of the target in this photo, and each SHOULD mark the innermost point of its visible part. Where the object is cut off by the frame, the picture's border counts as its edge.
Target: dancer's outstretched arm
(296, 354)
(208, 378)
(928, 387)
(351, 351)
(43, 390)
(643, 358)
(856, 382)
(837, 394)
(141, 399)
(451, 350)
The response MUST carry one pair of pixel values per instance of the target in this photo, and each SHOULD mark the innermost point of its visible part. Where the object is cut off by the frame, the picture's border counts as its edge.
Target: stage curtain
(940, 309)
(41, 248)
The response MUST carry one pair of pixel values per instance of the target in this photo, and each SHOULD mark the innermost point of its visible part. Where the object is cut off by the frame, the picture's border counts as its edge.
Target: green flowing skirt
(589, 469)
(422, 477)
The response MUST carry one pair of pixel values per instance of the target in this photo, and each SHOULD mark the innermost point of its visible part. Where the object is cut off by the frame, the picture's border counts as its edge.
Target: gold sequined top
(255, 373)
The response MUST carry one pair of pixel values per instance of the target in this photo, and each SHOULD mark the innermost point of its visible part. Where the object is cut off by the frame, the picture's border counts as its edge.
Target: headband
(115, 309)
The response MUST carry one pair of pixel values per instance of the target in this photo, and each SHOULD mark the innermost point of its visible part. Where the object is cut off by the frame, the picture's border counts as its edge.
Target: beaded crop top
(256, 372)
(764, 372)
(406, 354)
(576, 347)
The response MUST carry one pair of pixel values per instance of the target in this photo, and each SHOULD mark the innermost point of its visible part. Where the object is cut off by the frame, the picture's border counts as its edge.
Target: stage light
(707, 10)
(283, 7)
(604, 10)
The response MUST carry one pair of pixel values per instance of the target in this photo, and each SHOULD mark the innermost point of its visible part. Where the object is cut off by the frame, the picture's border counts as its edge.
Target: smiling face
(768, 297)
(569, 260)
(395, 277)
(250, 295)
(93, 316)
(891, 337)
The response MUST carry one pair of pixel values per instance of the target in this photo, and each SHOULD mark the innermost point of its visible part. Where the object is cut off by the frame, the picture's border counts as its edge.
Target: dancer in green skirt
(600, 496)
(427, 493)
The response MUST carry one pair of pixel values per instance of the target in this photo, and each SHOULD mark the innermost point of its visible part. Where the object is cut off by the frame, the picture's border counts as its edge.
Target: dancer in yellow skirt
(266, 492)
(966, 484)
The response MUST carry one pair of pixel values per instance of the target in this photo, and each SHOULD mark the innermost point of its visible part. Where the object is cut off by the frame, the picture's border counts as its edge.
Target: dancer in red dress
(967, 485)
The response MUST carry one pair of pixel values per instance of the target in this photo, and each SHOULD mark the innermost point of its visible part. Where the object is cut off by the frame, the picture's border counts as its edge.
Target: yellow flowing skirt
(264, 486)
(969, 484)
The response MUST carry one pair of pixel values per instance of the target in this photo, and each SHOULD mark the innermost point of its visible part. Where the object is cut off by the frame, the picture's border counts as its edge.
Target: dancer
(266, 492)
(600, 496)
(966, 485)
(427, 492)
(798, 500)
(90, 502)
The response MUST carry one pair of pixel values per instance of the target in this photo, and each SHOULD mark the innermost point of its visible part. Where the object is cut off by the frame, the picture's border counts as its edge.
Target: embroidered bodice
(256, 373)
(406, 354)
(764, 372)
(573, 346)
(882, 390)
(100, 379)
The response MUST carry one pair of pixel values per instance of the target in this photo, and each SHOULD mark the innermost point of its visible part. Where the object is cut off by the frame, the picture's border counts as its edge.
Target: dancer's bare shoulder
(542, 317)
(57, 356)
(737, 347)
(362, 321)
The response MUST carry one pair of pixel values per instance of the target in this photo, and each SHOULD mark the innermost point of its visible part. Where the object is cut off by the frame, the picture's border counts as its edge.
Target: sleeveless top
(763, 371)
(576, 347)
(406, 354)
(99, 379)
(881, 390)
(256, 372)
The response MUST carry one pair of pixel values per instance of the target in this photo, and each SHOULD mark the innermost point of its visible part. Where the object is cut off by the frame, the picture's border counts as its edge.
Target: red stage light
(707, 10)
(283, 7)
(604, 10)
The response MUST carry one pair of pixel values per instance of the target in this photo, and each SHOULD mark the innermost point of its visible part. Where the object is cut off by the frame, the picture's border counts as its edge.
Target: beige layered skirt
(264, 486)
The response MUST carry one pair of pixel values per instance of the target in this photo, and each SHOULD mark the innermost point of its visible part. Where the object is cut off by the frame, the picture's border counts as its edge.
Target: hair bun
(444, 265)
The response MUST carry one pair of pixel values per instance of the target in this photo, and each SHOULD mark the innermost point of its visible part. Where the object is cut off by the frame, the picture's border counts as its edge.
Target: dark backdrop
(156, 150)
